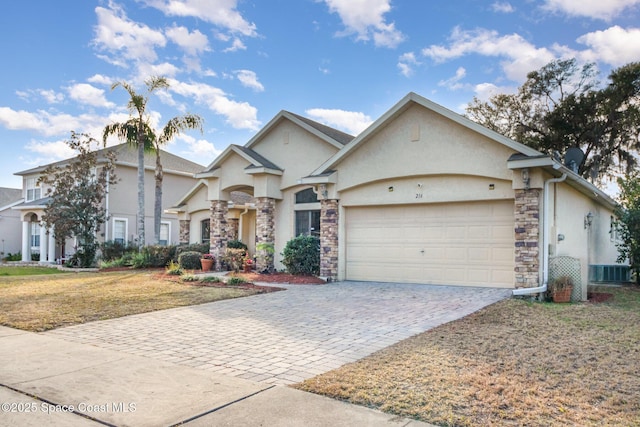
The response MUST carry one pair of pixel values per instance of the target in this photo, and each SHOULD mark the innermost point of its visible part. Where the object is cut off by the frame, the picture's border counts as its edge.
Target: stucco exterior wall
(123, 200)
(10, 231)
(420, 142)
(295, 150)
(591, 245)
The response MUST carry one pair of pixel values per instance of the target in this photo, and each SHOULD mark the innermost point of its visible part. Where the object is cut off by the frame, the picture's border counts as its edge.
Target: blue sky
(237, 63)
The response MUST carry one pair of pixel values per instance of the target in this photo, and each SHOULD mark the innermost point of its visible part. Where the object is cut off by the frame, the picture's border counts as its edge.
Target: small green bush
(302, 255)
(235, 281)
(234, 258)
(189, 278)
(13, 257)
(111, 250)
(118, 262)
(190, 260)
(140, 260)
(211, 279)
(236, 244)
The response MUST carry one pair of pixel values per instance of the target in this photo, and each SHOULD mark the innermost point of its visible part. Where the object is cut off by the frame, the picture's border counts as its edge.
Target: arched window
(307, 213)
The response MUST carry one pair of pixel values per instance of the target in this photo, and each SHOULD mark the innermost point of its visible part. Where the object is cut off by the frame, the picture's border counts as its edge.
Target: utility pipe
(545, 242)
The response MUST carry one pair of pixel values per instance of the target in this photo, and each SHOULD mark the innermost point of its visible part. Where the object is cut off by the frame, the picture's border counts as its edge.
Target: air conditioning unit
(609, 273)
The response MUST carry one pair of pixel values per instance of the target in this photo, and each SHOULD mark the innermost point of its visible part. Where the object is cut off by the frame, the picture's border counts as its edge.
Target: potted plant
(207, 262)
(561, 289)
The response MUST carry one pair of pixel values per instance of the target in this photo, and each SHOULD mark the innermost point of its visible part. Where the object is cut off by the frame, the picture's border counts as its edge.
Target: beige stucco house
(423, 195)
(121, 203)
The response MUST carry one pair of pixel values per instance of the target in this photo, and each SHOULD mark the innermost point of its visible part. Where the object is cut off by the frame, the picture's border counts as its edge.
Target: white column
(26, 241)
(51, 253)
(43, 243)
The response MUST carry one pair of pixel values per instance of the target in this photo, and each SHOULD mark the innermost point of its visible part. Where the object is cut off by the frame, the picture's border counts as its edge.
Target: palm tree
(174, 127)
(138, 132)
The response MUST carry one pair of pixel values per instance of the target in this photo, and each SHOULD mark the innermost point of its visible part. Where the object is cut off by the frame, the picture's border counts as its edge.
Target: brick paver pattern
(288, 336)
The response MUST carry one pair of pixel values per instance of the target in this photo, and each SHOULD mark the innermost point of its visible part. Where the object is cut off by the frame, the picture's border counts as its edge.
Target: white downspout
(240, 227)
(545, 242)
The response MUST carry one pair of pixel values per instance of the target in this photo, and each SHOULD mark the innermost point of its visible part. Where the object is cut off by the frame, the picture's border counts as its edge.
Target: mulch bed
(284, 278)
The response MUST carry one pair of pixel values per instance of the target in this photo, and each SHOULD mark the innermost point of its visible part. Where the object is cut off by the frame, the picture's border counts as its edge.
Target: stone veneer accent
(265, 233)
(185, 233)
(527, 233)
(218, 230)
(233, 226)
(329, 239)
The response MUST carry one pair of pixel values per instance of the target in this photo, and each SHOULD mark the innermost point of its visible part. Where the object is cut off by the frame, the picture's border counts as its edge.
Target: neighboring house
(9, 221)
(121, 203)
(423, 195)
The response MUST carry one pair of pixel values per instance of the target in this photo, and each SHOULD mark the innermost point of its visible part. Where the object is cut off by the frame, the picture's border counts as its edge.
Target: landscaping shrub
(159, 255)
(189, 278)
(13, 257)
(112, 250)
(173, 268)
(234, 281)
(302, 255)
(202, 248)
(190, 260)
(234, 258)
(236, 244)
(211, 279)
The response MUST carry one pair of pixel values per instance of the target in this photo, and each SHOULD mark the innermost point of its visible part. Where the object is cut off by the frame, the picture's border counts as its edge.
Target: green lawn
(27, 271)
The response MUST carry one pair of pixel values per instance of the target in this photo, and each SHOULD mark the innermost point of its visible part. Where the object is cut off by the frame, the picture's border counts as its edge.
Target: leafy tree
(560, 106)
(628, 222)
(77, 190)
(138, 131)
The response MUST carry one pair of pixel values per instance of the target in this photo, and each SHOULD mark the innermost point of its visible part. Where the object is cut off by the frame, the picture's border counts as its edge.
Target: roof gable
(404, 104)
(255, 160)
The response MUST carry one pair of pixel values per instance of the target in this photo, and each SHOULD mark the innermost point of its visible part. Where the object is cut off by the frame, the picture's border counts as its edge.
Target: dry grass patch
(513, 363)
(48, 302)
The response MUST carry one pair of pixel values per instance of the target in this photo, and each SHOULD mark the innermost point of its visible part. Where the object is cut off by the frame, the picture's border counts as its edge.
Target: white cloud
(100, 80)
(222, 13)
(615, 45)
(366, 19)
(51, 124)
(51, 96)
(249, 79)
(48, 151)
(84, 93)
(236, 45)
(193, 43)
(520, 56)
(122, 38)
(199, 150)
(596, 9)
(484, 91)
(453, 83)
(502, 7)
(352, 122)
(240, 115)
(406, 62)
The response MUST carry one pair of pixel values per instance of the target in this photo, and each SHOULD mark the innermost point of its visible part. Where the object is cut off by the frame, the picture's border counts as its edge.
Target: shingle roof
(342, 137)
(260, 161)
(127, 154)
(9, 195)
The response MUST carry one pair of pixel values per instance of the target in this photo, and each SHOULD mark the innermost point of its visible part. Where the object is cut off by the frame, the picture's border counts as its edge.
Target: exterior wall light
(588, 220)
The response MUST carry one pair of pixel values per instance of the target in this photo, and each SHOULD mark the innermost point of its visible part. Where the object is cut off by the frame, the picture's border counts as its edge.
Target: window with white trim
(120, 226)
(205, 230)
(35, 236)
(165, 233)
(33, 189)
(307, 213)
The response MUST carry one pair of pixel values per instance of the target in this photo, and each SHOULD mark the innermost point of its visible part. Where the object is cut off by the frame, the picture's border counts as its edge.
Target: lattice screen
(567, 266)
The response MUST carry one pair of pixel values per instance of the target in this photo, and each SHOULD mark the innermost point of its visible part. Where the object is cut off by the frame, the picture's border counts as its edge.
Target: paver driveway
(285, 337)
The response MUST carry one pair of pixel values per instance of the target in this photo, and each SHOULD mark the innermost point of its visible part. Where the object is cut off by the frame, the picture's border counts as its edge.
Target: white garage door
(454, 243)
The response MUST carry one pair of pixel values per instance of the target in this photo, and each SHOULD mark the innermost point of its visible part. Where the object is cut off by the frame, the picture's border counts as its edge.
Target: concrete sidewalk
(43, 377)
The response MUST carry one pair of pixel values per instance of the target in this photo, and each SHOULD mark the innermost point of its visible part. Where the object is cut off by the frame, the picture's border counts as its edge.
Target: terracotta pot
(247, 268)
(564, 295)
(207, 264)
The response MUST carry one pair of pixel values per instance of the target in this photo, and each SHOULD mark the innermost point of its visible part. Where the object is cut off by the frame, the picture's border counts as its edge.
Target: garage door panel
(458, 243)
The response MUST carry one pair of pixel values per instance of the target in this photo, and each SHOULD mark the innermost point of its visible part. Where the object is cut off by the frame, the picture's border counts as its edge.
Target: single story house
(121, 203)
(423, 195)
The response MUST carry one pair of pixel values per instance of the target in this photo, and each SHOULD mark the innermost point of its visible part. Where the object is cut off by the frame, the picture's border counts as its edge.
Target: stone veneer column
(185, 231)
(265, 233)
(233, 227)
(527, 233)
(329, 239)
(218, 231)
